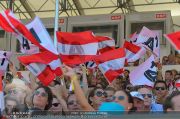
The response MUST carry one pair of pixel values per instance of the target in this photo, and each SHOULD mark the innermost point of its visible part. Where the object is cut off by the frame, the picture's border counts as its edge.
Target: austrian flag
(45, 66)
(133, 52)
(105, 43)
(77, 48)
(111, 63)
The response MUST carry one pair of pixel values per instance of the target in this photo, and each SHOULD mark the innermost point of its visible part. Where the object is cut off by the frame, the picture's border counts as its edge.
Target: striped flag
(105, 44)
(44, 65)
(77, 48)
(174, 39)
(133, 52)
(111, 63)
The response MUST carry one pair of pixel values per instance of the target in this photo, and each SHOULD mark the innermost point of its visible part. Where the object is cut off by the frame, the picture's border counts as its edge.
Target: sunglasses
(12, 91)
(99, 94)
(55, 104)
(43, 94)
(119, 98)
(72, 102)
(160, 88)
(148, 95)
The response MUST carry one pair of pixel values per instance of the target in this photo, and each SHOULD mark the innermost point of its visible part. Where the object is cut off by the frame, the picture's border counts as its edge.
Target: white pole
(56, 22)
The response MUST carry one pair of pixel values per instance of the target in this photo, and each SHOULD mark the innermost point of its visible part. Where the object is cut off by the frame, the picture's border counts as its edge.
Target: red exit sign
(61, 21)
(161, 15)
(116, 17)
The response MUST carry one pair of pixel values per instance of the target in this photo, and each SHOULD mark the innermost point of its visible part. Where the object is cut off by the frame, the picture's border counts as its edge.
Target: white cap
(137, 95)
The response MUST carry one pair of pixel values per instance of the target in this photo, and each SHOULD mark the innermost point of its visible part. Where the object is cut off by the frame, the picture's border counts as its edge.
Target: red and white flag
(4, 23)
(2, 107)
(77, 48)
(105, 44)
(149, 39)
(19, 28)
(44, 65)
(4, 60)
(133, 52)
(111, 63)
(144, 74)
(174, 39)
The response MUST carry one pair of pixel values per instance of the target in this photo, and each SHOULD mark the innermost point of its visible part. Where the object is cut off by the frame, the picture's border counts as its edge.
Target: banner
(144, 74)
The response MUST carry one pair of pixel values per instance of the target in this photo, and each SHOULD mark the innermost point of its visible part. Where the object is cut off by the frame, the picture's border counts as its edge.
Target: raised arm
(77, 89)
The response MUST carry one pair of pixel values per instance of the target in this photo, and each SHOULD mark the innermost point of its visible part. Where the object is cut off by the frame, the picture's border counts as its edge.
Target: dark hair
(160, 81)
(50, 97)
(169, 71)
(92, 93)
(127, 70)
(168, 102)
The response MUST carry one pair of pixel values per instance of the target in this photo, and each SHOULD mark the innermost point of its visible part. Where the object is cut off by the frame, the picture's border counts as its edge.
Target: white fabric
(43, 35)
(87, 49)
(36, 68)
(115, 64)
(137, 76)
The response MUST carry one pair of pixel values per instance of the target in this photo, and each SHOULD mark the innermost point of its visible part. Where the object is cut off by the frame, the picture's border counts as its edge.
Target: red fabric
(22, 29)
(47, 75)
(112, 74)
(5, 25)
(131, 47)
(78, 38)
(107, 59)
(174, 38)
(113, 54)
(177, 84)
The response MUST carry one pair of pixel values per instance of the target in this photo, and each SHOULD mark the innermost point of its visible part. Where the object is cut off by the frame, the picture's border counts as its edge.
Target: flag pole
(56, 22)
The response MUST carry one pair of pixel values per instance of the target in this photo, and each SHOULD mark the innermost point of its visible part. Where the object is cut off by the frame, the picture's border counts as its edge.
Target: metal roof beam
(27, 8)
(79, 7)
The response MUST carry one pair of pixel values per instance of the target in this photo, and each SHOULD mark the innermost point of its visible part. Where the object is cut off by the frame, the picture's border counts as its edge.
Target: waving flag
(144, 74)
(105, 44)
(133, 52)
(77, 48)
(38, 30)
(4, 57)
(174, 39)
(149, 39)
(45, 65)
(111, 63)
(36, 33)
(4, 23)
(19, 27)
(2, 107)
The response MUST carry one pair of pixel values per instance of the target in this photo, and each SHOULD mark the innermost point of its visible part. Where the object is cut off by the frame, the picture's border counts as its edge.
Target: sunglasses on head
(55, 104)
(148, 95)
(119, 98)
(99, 94)
(160, 88)
(43, 94)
